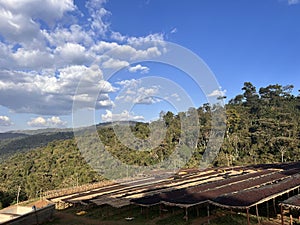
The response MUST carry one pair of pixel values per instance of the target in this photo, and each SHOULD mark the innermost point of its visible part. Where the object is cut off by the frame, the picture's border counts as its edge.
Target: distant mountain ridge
(11, 143)
(24, 140)
(10, 135)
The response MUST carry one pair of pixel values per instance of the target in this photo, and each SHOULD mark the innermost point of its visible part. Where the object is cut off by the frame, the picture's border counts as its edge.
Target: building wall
(35, 217)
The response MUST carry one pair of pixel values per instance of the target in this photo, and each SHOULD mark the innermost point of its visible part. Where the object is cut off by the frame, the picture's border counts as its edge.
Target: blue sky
(48, 48)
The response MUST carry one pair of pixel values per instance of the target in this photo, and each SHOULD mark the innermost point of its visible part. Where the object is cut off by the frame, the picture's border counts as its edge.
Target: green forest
(262, 126)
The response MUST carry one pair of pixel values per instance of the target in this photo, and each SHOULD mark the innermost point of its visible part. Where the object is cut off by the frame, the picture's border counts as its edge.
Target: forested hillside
(262, 127)
(57, 165)
(23, 142)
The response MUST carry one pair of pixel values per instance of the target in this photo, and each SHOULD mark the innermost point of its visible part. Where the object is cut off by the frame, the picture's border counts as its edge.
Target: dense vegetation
(22, 142)
(57, 165)
(262, 127)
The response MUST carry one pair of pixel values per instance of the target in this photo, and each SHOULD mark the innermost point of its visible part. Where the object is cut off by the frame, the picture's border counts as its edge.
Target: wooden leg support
(257, 215)
(281, 213)
(248, 217)
(208, 214)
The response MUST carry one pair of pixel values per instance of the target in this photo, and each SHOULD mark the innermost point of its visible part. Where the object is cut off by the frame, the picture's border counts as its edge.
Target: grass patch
(176, 219)
(237, 219)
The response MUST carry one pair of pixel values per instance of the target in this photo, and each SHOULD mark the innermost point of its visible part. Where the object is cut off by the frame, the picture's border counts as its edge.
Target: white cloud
(37, 122)
(217, 93)
(124, 116)
(72, 34)
(105, 103)
(176, 97)
(45, 52)
(18, 19)
(114, 64)
(293, 2)
(72, 53)
(118, 36)
(34, 59)
(142, 69)
(134, 92)
(129, 83)
(53, 121)
(127, 52)
(99, 24)
(151, 39)
(53, 93)
(5, 121)
(174, 30)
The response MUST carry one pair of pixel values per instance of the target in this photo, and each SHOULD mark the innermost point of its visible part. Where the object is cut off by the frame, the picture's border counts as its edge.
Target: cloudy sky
(98, 53)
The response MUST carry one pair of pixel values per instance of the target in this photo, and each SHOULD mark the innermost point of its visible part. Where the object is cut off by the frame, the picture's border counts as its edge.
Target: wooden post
(257, 215)
(208, 214)
(147, 213)
(268, 216)
(186, 214)
(274, 206)
(197, 209)
(281, 213)
(291, 217)
(248, 218)
(160, 214)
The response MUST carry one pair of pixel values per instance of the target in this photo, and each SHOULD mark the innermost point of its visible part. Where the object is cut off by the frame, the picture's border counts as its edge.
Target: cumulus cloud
(72, 34)
(124, 116)
(137, 68)
(53, 93)
(114, 64)
(134, 92)
(45, 52)
(5, 121)
(127, 52)
(72, 53)
(99, 16)
(151, 39)
(54, 121)
(217, 93)
(129, 83)
(19, 18)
